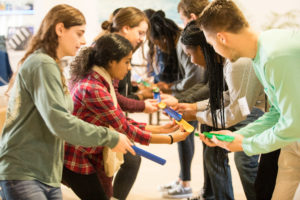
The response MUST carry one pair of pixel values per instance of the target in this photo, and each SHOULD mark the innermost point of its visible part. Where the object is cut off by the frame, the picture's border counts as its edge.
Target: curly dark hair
(107, 48)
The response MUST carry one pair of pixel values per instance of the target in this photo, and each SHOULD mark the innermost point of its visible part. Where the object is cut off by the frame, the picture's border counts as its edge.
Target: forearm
(130, 105)
(263, 123)
(153, 129)
(160, 139)
(196, 93)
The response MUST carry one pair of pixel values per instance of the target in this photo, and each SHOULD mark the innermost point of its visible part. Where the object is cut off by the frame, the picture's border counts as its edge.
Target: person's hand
(134, 83)
(186, 107)
(169, 100)
(169, 127)
(179, 135)
(150, 106)
(189, 115)
(146, 93)
(234, 146)
(207, 141)
(123, 145)
(164, 87)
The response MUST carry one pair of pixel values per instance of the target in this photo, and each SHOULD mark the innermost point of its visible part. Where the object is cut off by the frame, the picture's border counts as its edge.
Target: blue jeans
(28, 190)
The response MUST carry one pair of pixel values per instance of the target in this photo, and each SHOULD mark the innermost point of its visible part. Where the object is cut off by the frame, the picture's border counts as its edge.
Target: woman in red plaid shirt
(95, 102)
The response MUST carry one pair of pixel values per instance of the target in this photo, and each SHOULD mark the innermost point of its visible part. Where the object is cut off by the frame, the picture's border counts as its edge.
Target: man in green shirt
(276, 61)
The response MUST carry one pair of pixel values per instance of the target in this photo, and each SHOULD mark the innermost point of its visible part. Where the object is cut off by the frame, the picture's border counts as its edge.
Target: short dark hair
(192, 6)
(222, 15)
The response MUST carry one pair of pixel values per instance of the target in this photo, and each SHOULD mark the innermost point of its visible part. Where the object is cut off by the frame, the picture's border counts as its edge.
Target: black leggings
(86, 187)
(186, 150)
(126, 176)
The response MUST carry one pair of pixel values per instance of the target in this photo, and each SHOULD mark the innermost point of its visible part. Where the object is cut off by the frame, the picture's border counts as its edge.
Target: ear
(59, 28)
(222, 37)
(110, 63)
(125, 29)
(193, 16)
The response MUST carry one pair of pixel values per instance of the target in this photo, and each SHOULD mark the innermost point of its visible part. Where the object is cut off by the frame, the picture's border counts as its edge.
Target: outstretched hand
(150, 106)
(180, 135)
(169, 127)
(169, 100)
(234, 146)
(165, 87)
(166, 128)
(123, 145)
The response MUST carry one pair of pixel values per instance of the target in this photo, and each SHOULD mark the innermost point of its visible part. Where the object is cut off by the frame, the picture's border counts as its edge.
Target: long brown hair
(46, 37)
(128, 16)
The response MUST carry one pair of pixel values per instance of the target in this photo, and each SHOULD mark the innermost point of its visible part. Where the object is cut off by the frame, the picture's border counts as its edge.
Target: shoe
(196, 198)
(179, 192)
(172, 185)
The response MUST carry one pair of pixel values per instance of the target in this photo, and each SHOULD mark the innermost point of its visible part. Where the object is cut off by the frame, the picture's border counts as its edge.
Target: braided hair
(191, 37)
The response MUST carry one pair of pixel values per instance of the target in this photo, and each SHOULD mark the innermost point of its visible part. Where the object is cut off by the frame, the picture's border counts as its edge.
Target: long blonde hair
(46, 37)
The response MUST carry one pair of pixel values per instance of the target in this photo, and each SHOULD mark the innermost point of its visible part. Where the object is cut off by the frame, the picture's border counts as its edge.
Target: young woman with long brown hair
(39, 115)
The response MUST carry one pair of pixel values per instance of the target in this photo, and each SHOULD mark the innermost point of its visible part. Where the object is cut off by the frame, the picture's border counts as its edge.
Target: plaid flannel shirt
(94, 104)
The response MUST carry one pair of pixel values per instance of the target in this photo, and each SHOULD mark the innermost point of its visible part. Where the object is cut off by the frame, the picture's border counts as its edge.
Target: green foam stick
(221, 137)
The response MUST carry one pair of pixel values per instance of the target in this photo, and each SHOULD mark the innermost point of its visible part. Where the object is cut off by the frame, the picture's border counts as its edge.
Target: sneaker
(179, 192)
(169, 186)
(196, 198)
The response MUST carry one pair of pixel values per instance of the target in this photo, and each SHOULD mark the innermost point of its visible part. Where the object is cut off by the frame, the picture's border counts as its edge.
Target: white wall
(259, 12)
(89, 8)
(96, 11)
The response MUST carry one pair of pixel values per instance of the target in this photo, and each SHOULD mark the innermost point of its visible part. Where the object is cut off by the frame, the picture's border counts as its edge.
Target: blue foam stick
(157, 96)
(172, 113)
(149, 155)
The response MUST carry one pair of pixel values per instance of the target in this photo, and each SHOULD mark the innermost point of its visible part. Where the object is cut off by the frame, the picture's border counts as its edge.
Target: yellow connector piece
(189, 128)
(162, 105)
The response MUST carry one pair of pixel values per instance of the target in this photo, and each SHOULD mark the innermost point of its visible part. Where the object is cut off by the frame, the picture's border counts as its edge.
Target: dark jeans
(86, 187)
(186, 150)
(29, 190)
(266, 175)
(125, 177)
(217, 176)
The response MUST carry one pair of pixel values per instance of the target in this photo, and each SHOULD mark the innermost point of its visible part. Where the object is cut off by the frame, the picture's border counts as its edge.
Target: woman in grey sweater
(39, 117)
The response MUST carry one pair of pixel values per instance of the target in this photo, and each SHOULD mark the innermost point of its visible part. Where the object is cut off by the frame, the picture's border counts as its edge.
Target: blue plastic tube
(149, 155)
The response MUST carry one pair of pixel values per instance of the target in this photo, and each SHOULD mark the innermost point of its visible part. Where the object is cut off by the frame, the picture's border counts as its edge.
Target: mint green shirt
(39, 119)
(277, 66)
